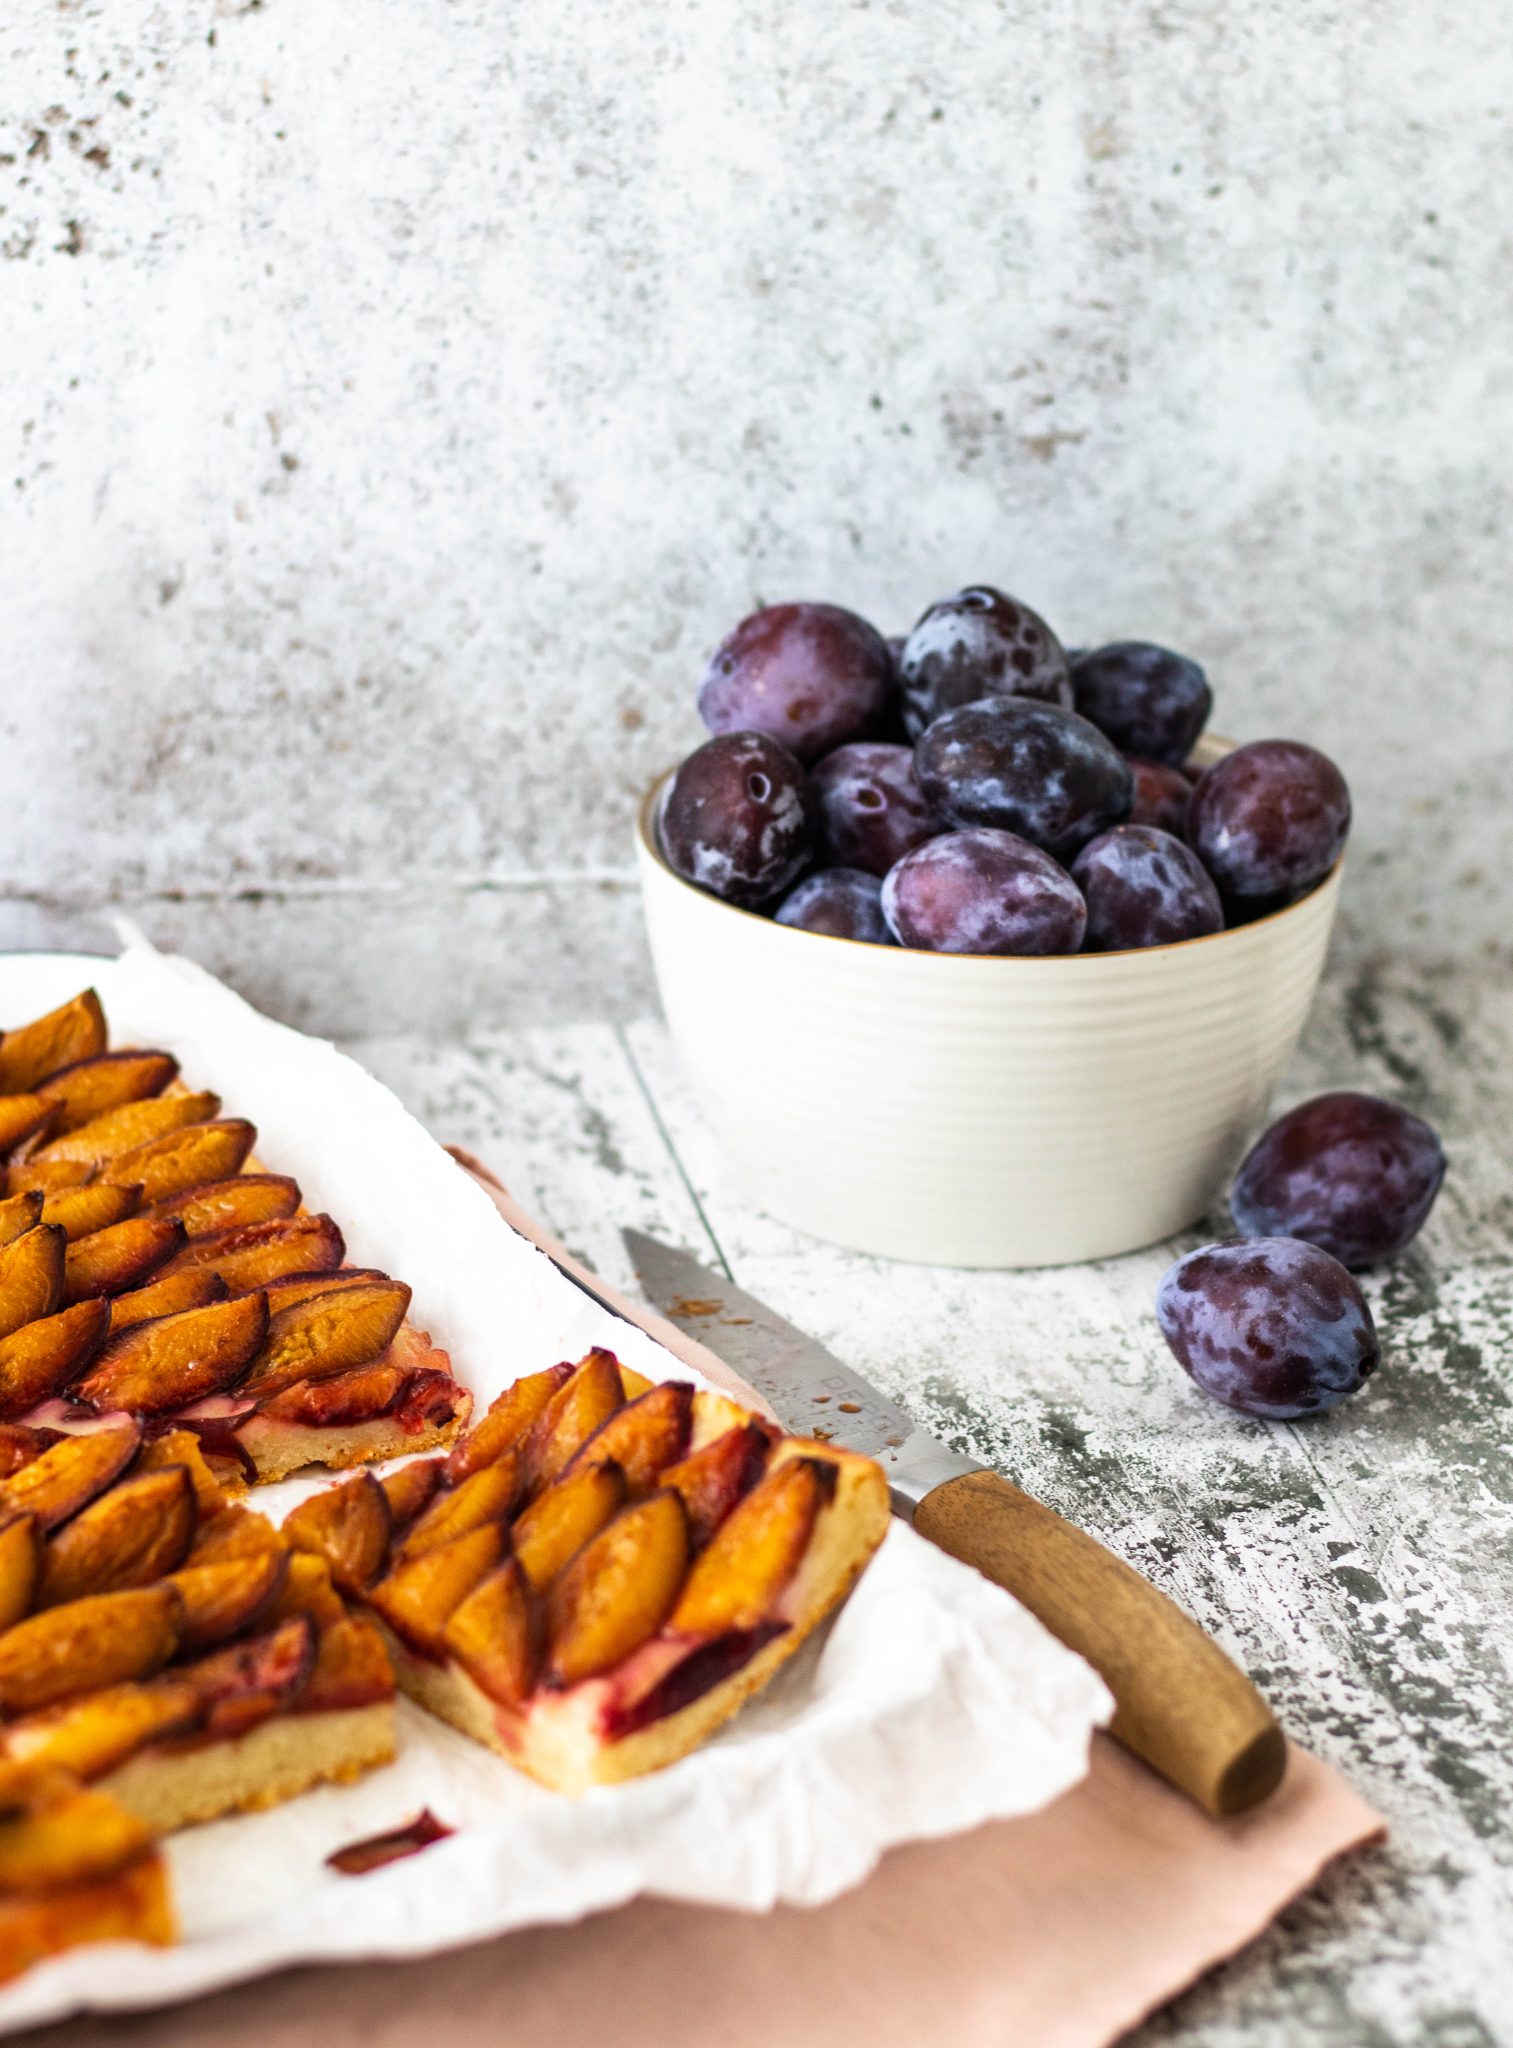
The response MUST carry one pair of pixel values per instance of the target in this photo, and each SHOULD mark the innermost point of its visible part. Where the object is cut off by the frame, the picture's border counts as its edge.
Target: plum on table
(1271, 1326)
(1353, 1174)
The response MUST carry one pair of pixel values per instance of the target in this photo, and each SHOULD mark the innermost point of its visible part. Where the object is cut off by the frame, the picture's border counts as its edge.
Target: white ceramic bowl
(972, 1111)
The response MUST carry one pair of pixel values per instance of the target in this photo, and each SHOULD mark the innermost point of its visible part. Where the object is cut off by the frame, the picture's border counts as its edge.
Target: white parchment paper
(933, 1703)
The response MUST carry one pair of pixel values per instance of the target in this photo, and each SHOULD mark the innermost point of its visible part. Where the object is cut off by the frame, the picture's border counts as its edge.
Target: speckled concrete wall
(401, 395)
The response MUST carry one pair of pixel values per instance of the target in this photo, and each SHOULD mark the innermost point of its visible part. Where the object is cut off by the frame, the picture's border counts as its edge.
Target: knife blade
(1181, 1704)
(808, 1388)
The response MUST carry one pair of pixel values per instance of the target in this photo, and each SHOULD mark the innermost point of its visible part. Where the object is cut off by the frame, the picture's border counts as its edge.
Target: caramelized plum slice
(75, 1031)
(70, 1473)
(362, 1395)
(171, 1294)
(118, 1131)
(19, 1214)
(738, 1578)
(221, 1600)
(77, 1838)
(20, 1564)
(347, 1525)
(429, 1400)
(91, 1735)
(587, 1398)
(40, 1359)
(356, 1859)
(506, 1422)
(420, 1598)
(188, 1158)
(218, 1205)
(485, 1496)
(497, 1635)
(307, 1589)
(22, 1117)
(410, 1489)
(645, 1435)
(116, 1260)
(89, 1088)
(136, 1532)
(247, 1681)
(264, 1252)
(47, 1174)
(352, 1668)
(235, 1532)
(90, 1643)
(95, 1206)
(31, 1277)
(717, 1475)
(706, 1666)
(183, 1447)
(153, 1367)
(568, 1514)
(327, 1334)
(619, 1589)
(20, 1445)
(283, 1294)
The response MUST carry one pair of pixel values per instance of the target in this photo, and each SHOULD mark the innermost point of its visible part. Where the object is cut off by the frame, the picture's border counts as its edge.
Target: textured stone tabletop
(1360, 1565)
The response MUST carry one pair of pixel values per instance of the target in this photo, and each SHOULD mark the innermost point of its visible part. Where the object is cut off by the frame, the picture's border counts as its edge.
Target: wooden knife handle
(1181, 1704)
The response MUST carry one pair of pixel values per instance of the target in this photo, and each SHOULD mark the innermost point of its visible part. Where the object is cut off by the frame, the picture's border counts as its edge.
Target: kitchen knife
(1180, 1703)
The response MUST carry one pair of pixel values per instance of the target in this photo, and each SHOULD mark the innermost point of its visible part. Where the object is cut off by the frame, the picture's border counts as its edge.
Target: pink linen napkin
(1058, 1930)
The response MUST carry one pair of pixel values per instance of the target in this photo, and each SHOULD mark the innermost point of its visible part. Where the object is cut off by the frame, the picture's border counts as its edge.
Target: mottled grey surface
(400, 398)
(1360, 1564)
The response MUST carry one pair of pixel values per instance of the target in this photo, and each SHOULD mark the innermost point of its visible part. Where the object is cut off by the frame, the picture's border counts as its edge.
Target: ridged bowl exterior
(968, 1111)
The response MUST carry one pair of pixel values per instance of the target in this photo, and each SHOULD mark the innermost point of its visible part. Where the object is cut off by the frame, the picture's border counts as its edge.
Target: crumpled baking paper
(934, 1702)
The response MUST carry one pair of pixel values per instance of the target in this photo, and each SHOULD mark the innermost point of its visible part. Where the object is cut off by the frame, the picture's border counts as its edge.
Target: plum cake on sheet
(150, 1266)
(590, 1582)
(599, 1575)
(166, 1657)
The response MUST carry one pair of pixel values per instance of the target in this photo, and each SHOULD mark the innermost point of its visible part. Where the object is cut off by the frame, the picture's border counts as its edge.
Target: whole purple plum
(738, 819)
(983, 892)
(871, 810)
(809, 675)
(1024, 767)
(1147, 699)
(1268, 821)
(1144, 888)
(843, 903)
(1273, 1327)
(1161, 795)
(1351, 1173)
(979, 643)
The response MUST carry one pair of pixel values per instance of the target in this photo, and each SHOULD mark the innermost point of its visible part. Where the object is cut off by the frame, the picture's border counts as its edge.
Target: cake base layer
(279, 1448)
(277, 1760)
